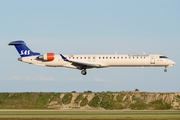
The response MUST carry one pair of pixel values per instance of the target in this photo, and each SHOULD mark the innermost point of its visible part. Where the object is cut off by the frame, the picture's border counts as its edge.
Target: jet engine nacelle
(46, 57)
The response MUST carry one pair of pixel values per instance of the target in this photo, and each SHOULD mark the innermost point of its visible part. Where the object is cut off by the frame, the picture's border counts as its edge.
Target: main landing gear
(83, 68)
(165, 70)
(84, 72)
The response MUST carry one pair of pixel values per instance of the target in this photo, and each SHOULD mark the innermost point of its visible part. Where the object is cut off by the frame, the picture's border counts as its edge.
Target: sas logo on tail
(25, 52)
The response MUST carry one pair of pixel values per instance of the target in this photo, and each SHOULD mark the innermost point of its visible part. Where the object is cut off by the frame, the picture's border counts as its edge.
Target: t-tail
(22, 49)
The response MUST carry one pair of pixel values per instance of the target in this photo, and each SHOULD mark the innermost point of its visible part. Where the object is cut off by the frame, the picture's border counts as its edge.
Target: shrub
(67, 98)
(114, 105)
(94, 102)
(159, 105)
(88, 91)
(138, 105)
(105, 101)
(178, 96)
(73, 92)
(79, 98)
(84, 102)
(43, 99)
(120, 97)
(56, 97)
(3, 97)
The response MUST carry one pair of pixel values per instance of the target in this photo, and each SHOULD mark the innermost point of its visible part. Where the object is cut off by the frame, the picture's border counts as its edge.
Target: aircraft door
(152, 60)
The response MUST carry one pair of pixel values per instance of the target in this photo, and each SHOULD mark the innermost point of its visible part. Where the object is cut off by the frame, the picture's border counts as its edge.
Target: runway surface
(31, 112)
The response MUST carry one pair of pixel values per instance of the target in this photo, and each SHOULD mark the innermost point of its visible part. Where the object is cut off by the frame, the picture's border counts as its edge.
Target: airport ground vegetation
(88, 100)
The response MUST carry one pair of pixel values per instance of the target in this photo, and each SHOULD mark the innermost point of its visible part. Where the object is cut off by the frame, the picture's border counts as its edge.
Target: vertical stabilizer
(22, 49)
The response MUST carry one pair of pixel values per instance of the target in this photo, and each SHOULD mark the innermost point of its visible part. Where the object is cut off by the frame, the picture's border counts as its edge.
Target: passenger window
(144, 57)
(99, 57)
(114, 57)
(109, 57)
(121, 57)
(133, 57)
(106, 57)
(77, 57)
(93, 57)
(88, 57)
(129, 57)
(125, 57)
(103, 57)
(81, 57)
(137, 57)
(84, 57)
(73, 57)
(117, 57)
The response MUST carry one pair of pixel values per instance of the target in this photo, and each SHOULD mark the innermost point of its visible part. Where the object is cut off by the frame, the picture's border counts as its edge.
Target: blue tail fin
(22, 49)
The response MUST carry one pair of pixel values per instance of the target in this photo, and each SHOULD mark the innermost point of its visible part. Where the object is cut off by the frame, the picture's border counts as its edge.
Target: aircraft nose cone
(173, 63)
(20, 59)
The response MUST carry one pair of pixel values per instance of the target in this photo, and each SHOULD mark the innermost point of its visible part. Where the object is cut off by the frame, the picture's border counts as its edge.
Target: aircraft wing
(80, 64)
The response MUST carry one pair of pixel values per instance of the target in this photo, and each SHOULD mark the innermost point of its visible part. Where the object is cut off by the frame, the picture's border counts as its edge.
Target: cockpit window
(163, 57)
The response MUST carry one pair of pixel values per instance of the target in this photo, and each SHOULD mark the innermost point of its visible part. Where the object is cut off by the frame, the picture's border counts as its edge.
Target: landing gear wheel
(83, 72)
(165, 70)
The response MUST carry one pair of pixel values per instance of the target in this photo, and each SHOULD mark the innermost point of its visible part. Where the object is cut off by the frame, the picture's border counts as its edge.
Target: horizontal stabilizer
(17, 43)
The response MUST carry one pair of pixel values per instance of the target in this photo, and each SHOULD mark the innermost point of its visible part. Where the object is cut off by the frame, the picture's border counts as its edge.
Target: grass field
(90, 115)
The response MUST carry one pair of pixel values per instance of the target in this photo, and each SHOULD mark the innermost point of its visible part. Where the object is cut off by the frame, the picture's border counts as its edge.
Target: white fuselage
(103, 60)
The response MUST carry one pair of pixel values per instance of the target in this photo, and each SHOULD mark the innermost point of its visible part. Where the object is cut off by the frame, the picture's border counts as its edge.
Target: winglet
(65, 59)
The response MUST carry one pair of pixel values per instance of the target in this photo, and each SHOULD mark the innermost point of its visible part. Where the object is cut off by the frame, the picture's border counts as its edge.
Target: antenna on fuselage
(144, 53)
(115, 52)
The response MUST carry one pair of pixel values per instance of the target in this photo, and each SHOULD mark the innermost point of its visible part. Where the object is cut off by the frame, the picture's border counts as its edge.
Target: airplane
(88, 61)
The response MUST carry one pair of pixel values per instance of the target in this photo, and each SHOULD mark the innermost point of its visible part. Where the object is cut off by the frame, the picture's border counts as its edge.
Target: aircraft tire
(165, 70)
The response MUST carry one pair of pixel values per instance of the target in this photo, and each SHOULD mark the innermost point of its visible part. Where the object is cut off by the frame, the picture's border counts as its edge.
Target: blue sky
(89, 27)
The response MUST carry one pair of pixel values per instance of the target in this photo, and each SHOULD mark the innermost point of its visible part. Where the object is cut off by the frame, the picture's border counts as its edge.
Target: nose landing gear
(165, 70)
(84, 72)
